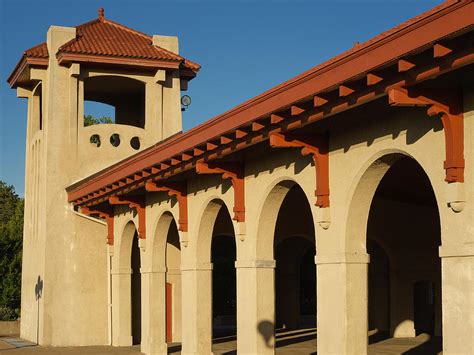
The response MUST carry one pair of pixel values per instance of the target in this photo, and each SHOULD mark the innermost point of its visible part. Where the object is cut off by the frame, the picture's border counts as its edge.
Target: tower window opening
(114, 99)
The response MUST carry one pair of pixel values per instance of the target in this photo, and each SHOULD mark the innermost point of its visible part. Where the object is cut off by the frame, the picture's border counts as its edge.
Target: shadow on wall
(266, 330)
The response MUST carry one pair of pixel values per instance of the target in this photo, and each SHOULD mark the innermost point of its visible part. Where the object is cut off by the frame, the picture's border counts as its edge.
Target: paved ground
(295, 342)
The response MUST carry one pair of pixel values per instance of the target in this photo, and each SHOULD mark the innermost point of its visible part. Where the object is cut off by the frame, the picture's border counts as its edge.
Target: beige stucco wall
(63, 249)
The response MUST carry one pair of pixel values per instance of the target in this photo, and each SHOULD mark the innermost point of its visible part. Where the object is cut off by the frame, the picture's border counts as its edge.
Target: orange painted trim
(448, 104)
(318, 147)
(108, 215)
(137, 203)
(174, 189)
(234, 172)
(447, 19)
(147, 161)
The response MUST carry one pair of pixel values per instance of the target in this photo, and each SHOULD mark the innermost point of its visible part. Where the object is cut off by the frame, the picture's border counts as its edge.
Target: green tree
(11, 237)
(90, 120)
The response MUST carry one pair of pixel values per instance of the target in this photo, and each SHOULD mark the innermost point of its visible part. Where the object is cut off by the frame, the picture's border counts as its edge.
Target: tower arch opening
(114, 99)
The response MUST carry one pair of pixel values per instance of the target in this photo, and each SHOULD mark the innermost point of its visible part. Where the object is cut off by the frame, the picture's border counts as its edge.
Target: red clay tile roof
(39, 51)
(103, 38)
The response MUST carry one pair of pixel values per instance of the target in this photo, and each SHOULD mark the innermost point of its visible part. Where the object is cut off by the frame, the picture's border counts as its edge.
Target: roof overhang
(68, 58)
(356, 77)
(21, 72)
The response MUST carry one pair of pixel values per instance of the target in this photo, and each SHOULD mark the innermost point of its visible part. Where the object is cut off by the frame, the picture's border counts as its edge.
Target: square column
(342, 303)
(457, 269)
(153, 312)
(121, 307)
(255, 306)
(196, 283)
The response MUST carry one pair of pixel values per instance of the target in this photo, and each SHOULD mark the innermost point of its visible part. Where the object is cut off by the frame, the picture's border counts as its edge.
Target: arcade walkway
(295, 342)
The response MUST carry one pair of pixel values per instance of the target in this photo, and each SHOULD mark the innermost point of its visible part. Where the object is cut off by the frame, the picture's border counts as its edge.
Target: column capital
(456, 250)
(342, 258)
(153, 270)
(255, 264)
(197, 267)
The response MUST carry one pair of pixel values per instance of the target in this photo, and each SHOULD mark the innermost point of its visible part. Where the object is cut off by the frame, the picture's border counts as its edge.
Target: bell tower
(64, 279)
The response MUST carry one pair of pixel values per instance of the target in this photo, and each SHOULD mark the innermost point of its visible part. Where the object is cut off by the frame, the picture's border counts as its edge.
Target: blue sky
(244, 47)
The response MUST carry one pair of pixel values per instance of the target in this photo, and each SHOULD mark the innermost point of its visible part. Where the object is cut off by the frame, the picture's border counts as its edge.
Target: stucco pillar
(196, 283)
(121, 307)
(255, 306)
(153, 312)
(457, 263)
(173, 276)
(342, 292)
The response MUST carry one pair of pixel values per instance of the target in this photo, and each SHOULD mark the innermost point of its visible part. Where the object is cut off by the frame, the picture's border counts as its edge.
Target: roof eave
(432, 28)
(25, 63)
(67, 58)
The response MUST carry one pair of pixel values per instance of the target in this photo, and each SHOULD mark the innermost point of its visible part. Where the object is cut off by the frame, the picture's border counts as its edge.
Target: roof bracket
(178, 189)
(448, 104)
(137, 203)
(234, 172)
(317, 146)
(108, 215)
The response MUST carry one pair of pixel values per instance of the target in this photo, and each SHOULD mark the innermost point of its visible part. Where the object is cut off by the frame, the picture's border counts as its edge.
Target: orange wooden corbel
(234, 172)
(448, 104)
(137, 203)
(317, 146)
(108, 215)
(174, 189)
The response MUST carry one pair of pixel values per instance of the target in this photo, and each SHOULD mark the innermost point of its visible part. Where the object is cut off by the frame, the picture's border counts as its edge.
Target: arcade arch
(394, 217)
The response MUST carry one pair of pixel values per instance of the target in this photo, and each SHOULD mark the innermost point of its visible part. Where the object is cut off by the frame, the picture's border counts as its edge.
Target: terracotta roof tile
(38, 51)
(103, 37)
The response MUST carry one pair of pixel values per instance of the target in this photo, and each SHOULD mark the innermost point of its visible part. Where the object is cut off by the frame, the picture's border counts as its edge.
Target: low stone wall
(9, 328)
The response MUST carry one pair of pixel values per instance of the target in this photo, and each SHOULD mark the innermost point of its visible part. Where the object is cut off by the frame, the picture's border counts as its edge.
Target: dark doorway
(136, 286)
(295, 284)
(223, 286)
(424, 307)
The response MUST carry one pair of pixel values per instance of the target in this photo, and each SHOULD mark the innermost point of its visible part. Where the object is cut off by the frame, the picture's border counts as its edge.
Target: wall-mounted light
(185, 102)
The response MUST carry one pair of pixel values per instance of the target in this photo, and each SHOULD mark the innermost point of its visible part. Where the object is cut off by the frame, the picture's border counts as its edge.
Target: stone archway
(285, 217)
(394, 218)
(197, 277)
(404, 214)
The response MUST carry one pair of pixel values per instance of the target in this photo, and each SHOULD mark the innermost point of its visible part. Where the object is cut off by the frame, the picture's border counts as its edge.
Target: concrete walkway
(293, 342)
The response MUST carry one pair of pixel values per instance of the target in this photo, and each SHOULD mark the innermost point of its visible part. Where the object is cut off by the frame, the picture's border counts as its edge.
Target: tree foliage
(90, 120)
(11, 237)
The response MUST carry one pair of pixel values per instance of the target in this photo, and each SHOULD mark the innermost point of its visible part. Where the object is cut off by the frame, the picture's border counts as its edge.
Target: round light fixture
(185, 100)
